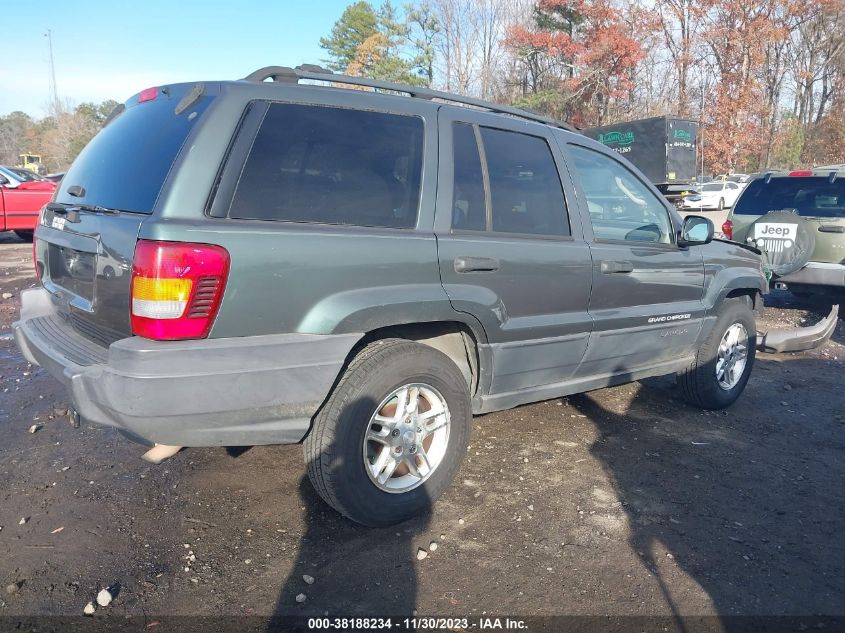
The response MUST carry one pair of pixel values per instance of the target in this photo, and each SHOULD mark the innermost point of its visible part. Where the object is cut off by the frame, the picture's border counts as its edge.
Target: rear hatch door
(820, 200)
(86, 239)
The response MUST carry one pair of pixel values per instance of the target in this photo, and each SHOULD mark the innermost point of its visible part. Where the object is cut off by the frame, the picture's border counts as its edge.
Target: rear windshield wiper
(64, 207)
(71, 211)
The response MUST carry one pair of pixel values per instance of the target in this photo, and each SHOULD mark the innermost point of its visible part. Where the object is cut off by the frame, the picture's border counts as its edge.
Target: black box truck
(663, 148)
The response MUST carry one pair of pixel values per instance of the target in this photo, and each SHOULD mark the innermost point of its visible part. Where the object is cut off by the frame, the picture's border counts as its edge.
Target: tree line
(57, 138)
(764, 78)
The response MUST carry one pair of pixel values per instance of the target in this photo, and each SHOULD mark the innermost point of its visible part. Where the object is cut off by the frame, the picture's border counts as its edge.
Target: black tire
(699, 385)
(334, 447)
(26, 236)
(721, 206)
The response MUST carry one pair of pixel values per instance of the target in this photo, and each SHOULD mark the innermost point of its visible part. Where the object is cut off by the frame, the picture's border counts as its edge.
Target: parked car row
(22, 195)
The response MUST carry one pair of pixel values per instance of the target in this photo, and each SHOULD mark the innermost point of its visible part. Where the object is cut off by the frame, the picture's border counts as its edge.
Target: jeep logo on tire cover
(775, 237)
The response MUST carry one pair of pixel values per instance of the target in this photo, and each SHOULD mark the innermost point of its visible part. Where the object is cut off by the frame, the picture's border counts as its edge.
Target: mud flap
(799, 339)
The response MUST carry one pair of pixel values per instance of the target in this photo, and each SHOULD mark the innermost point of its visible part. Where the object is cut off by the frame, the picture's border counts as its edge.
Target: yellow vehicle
(31, 162)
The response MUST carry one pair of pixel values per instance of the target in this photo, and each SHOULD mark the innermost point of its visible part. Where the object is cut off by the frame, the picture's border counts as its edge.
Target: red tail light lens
(801, 173)
(728, 229)
(177, 288)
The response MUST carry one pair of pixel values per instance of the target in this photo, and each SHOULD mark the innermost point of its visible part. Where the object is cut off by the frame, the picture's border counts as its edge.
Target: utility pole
(54, 94)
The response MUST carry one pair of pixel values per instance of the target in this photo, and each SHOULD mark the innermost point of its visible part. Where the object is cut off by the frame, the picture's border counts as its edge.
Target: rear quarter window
(332, 166)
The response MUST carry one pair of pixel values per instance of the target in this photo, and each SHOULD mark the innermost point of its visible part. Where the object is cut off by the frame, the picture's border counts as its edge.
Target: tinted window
(815, 197)
(333, 166)
(621, 206)
(469, 211)
(714, 187)
(125, 165)
(525, 189)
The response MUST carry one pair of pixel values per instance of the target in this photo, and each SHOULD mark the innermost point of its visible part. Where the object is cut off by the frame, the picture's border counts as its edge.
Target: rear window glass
(525, 188)
(716, 187)
(125, 165)
(332, 166)
(811, 197)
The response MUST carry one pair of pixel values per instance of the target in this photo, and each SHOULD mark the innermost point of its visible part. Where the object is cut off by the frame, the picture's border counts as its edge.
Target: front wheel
(722, 366)
(392, 435)
(721, 204)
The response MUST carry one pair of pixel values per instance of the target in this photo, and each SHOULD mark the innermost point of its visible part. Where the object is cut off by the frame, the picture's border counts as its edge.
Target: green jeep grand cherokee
(362, 272)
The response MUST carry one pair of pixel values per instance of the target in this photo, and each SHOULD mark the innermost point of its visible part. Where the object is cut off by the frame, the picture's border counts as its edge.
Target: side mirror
(696, 231)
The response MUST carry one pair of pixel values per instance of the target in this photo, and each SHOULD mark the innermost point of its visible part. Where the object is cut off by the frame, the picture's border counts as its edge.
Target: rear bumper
(817, 274)
(799, 339)
(217, 392)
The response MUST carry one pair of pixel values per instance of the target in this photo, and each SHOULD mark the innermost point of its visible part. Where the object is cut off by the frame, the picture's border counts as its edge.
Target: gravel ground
(623, 501)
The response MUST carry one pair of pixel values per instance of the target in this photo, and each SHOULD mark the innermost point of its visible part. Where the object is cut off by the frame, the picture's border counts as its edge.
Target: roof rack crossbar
(311, 72)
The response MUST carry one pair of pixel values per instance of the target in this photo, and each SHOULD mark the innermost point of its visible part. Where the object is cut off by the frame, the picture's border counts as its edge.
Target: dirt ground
(623, 501)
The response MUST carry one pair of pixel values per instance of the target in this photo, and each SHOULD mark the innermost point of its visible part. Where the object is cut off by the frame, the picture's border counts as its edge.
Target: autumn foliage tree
(577, 59)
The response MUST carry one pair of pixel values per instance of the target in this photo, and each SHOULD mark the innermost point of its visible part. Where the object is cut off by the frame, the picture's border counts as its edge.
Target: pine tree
(358, 23)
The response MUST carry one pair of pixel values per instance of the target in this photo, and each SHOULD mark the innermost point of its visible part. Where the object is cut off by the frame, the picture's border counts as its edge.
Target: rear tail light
(801, 173)
(728, 229)
(177, 288)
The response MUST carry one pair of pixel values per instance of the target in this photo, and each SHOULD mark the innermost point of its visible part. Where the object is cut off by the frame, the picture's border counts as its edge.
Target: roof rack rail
(284, 74)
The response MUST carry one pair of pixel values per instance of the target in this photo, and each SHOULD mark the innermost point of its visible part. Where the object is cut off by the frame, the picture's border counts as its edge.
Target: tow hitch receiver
(799, 339)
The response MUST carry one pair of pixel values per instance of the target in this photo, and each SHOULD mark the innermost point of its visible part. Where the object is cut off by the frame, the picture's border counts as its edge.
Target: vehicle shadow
(10, 237)
(346, 569)
(762, 539)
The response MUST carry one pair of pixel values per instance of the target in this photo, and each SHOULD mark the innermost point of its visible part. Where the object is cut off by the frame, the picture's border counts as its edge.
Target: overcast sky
(111, 50)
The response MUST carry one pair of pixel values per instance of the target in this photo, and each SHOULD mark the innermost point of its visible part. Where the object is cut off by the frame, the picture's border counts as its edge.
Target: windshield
(9, 174)
(125, 165)
(810, 197)
(26, 176)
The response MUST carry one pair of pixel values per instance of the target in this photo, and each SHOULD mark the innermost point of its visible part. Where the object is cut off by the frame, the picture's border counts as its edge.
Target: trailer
(663, 148)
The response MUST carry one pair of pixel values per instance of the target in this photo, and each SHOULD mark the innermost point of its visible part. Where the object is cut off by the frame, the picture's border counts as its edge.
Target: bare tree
(471, 57)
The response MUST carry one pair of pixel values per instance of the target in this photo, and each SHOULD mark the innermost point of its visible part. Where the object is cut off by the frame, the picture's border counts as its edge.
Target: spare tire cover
(786, 240)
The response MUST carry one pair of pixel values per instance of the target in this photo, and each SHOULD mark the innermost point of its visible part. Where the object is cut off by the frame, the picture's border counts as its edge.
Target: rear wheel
(721, 204)
(392, 435)
(26, 236)
(722, 366)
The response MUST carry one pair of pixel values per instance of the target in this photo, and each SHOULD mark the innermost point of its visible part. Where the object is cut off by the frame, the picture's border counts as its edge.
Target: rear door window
(808, 196)
(332, 166)
(525, 190)
(469, 207)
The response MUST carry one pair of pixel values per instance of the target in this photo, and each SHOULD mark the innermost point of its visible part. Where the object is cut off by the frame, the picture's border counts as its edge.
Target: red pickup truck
(20, 202)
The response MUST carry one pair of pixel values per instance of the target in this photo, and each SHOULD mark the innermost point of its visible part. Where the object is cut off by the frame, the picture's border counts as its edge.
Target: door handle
(608, 268)
(828, 228)
(476, 264)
